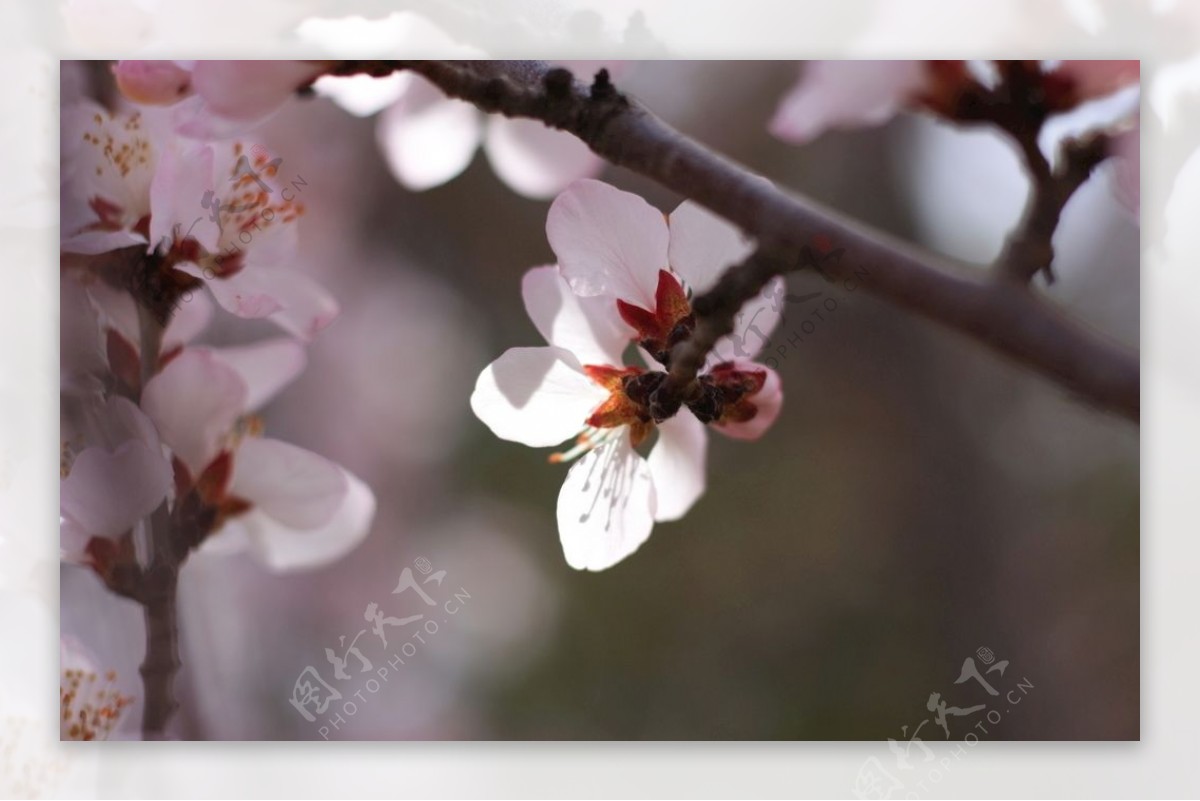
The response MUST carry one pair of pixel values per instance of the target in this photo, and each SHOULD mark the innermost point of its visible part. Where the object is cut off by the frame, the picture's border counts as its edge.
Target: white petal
(307, 306)
(82, 362)
(295, 487)
(249, 293)
(704, 246)
(106, 493)
(362, 95)
(535, 396)
(191, 317)
(769, 401)
(185, 173)
(194, 402)
(677, 465)
(281, 548)
(265, 367)
(535, 160)
(752, 327)
(608, 242)
(92, 242)
(590, 328)
(606, 506)
(846, 94)
(428, 138)
(248, 90)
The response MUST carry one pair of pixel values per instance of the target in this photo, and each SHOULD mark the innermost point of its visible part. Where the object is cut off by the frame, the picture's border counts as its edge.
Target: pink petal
(677, 465)
(537, 161)
(608, 242)
(153, 82)
(195, 401)
(606, 506)
(535, 396)
(185, 173)
(106, 493)
(250, 293)
(191, 317)
(306, 307)
(590, 328)
(264, 367)
(282, 548)
(846, 94)
(295, 487)
(753, 325)
(703, 246)
(82, 362)
(1094, 79)
(250, 90)
(769, 401)
(428, 138)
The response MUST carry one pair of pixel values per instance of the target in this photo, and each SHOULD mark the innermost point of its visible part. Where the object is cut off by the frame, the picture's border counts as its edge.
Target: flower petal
(608, 242)
(703, 246)
(535, 160)
(282, 548)
(677, 465)
(152, 82)
(606, 506)
(307, 307)
(265, 367)
(106, 493)
(194, 402)
(428, 138)
(1097, 78)
(769, 401)
(590, 328)
(846, 94)
(535, 396)
(295, 487)
(363, 95)
(753, 326)
(185, 174)
(249, 90)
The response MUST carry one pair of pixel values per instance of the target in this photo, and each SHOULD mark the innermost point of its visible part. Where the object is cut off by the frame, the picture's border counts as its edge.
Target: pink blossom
(612, 248)
(291, 508)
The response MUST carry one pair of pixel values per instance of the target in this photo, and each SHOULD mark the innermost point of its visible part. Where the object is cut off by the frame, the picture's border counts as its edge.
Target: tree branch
(159, 582)
(1001, 314)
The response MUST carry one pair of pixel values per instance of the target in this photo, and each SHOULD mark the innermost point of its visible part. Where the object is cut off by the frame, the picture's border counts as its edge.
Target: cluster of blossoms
(610, 312)
(851, 94)
(154, 222)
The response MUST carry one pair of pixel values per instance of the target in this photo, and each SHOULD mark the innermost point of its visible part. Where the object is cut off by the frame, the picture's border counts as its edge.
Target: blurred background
(919, 498)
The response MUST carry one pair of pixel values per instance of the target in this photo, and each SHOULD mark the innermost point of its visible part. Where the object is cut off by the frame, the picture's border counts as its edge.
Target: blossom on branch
(622, 278)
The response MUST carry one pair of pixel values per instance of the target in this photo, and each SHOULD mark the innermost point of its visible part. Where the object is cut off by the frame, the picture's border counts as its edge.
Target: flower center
(627, 406)
(90, 707)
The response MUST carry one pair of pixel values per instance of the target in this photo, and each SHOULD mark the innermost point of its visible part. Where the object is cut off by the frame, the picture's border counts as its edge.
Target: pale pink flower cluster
(153, 224)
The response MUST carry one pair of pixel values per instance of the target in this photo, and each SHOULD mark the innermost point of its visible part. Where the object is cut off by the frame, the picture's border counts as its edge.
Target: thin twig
(1008, 318)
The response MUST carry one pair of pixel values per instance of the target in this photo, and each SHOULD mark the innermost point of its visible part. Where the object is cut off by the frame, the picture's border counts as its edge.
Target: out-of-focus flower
(853, 94)
(90, 703)
(210, 213)
(291, 508)
(113, 475)
(1126, 151)
(612, 247)
(428, 138)
(215, 99)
